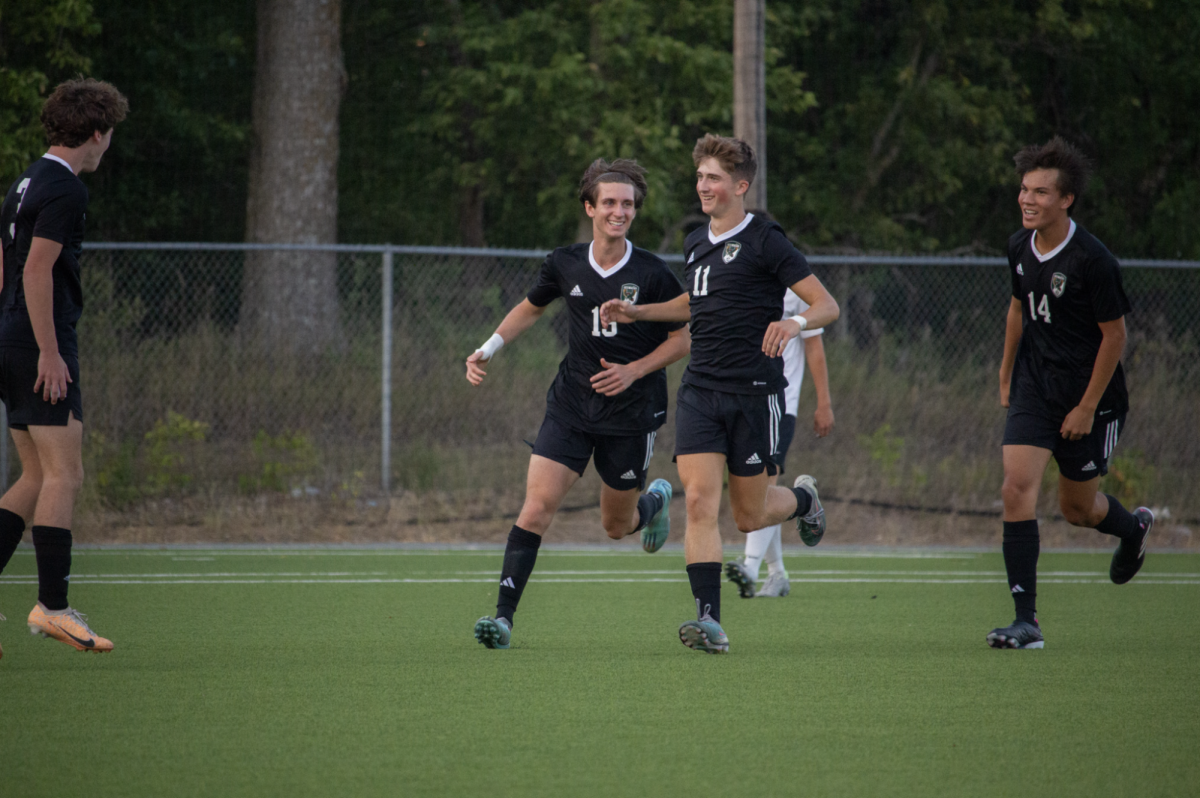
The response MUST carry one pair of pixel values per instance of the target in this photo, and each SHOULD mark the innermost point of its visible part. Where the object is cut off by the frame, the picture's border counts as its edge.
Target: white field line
(201, 555)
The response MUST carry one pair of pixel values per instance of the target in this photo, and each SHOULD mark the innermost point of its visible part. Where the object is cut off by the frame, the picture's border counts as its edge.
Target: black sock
(1120, 523)
(1021, 548)
(649, 503)
(803, 502)
(12, 527)
(53, 549)
(706, 587)
(519, 556)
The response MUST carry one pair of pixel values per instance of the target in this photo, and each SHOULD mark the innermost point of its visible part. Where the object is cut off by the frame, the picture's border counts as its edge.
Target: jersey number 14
(597, 330)
(1043, 308)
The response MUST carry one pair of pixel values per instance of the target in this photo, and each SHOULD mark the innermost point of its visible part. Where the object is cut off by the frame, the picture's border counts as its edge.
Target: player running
(1061, 380)
(766, 545)
(731, 403)
(610, 395)
(41, 229)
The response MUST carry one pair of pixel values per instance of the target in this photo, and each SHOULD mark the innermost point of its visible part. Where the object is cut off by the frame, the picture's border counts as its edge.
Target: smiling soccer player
(1061, 380)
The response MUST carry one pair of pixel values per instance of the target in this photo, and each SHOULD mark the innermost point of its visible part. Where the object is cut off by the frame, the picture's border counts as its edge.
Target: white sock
(757, 543)
(774, 555)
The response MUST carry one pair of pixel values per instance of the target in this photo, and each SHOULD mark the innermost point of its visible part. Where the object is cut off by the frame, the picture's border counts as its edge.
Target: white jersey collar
(60, 160)
(729, 233)
(1043, 258)
(620, 264)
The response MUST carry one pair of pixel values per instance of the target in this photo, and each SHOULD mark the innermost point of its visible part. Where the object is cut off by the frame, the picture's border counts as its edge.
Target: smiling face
(1043, 205)
(719, 192)
(613, 212)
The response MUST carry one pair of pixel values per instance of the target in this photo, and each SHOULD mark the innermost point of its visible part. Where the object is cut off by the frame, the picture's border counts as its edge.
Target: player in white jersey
(765, 545)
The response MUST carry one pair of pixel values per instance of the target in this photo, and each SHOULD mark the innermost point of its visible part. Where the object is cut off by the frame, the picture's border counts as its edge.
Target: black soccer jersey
(737, 283)
(1064, 295)
(571, 273)
(47, 201)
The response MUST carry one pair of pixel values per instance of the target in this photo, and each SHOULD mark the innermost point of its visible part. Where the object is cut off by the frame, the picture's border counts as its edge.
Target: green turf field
(354, 672)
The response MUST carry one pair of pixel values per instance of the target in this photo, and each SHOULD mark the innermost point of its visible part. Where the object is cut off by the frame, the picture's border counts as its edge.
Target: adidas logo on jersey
(1020, 271)
(691, 257)
(753, 459)
(576, 292)
(508, 582)
(1091, 466)
(629, 475)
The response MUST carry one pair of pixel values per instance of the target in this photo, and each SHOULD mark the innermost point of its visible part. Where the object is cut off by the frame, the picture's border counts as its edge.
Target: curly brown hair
(622, 170)
(1074, 168)
(735, 156)
(77, 108)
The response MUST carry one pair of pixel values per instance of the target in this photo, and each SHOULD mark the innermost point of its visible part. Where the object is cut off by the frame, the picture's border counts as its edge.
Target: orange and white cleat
(67, 626)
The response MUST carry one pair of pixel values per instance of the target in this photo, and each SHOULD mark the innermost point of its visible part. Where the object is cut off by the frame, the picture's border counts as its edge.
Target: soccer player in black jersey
(1061, 380)
(732, 398)
(41, 229)
(610, 394)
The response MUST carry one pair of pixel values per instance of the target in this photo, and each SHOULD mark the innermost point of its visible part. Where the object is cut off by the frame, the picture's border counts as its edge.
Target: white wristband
(803, 322)
(491, 347)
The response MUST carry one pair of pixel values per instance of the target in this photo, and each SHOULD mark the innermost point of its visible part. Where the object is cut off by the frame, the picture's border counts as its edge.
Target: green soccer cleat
(704, 635)
(812, 525)
(654, 533)
(493, 632)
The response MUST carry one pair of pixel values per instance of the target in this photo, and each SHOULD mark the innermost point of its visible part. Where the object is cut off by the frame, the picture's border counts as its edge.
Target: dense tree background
(891, 123)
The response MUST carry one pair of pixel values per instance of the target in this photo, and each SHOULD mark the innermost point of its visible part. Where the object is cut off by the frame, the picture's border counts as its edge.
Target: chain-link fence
(361, 405)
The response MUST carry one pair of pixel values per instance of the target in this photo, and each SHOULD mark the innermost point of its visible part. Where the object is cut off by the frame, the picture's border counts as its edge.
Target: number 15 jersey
(573, 274)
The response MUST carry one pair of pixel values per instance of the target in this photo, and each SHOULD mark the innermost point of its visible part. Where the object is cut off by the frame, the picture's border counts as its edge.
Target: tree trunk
(290, 298)
(749, 90)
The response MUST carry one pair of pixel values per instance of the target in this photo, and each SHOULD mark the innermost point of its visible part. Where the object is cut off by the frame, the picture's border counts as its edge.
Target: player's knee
(699, 506)
(1076, 514)
(1015, 492)
(748, 522)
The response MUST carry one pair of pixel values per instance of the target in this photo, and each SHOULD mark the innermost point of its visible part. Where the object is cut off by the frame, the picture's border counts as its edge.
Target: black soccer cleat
(737, 572)
(1131, 552)
(1021, 634)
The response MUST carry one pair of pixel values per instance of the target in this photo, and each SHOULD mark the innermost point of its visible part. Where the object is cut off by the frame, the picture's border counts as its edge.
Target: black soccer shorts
(787, 431)
(18, 373)
(621, 460)
(743, 427)
(1078, 461)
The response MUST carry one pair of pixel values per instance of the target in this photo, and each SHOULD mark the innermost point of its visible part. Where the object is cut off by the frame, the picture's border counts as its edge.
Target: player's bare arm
(624, 312)
(1012, 339)
(823, 310)
(616, 377)
(518, 320)
(53, 375)
(814, 358)
(1078, 422)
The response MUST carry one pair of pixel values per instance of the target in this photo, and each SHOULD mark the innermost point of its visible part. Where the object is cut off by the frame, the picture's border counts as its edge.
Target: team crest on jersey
(629, 293)
(731, 251)
(1058, 284)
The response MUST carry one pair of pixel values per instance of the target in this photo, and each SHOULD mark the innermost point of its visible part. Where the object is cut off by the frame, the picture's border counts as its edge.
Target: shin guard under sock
(519, 557)
(1021, 548)
(1120, 523)
(12, 528)
(52, 546)
(706, 587)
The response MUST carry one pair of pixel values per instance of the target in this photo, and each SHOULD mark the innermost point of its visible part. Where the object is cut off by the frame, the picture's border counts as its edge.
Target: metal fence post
(385, 465)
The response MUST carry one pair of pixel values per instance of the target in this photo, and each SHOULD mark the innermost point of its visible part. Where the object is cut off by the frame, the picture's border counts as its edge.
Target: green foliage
(167, 449)
(115, 466)
(1130, 478)
(281, 463)
(885, 449)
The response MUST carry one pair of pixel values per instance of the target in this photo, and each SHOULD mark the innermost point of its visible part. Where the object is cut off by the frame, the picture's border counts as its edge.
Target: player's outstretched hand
(778, 334)
(617, 310)
(1078, 424)
(475, 364)
(52, 378)
(615, 378)
(823, 421)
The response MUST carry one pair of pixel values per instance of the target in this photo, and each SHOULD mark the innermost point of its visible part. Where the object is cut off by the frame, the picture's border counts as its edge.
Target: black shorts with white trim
(1078, 461)
(743, 427)
(621, 460)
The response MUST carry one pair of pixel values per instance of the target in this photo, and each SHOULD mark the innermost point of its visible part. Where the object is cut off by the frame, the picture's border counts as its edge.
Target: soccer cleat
(811, 526)
(69, 626)
(1131, 552)
(1021, 634)
(737, 572)
(776, 586)
(493, 632)
(654, 533)
(705, 635)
